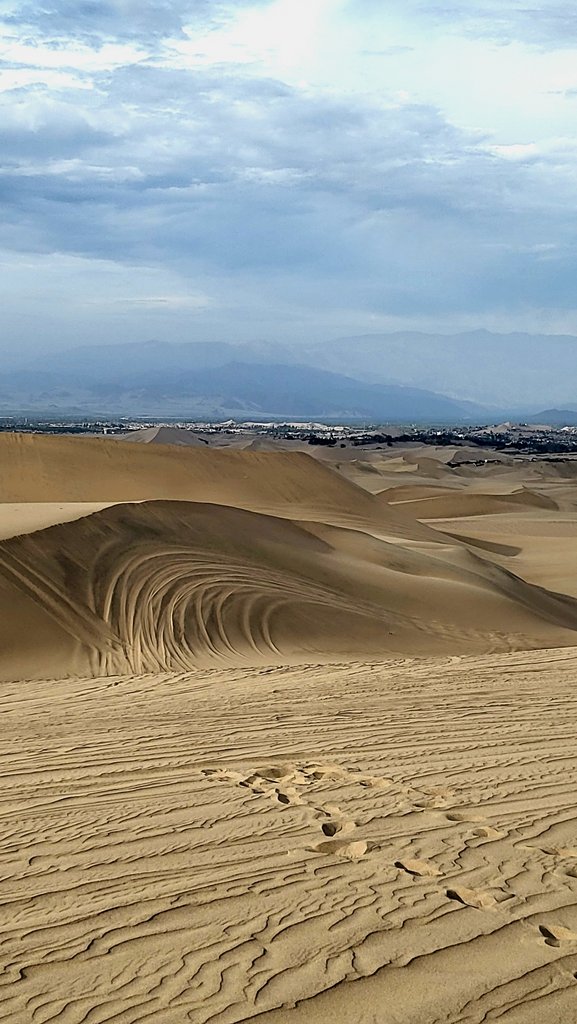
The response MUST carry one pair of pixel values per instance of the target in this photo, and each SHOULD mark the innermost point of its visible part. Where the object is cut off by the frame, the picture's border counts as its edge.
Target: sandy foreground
(286, 737)
(388, 842)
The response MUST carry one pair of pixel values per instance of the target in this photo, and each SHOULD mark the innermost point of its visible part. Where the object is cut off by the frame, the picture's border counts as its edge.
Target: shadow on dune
(167, 586)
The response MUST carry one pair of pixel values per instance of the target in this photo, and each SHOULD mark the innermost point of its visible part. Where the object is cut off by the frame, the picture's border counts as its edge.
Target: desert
(288, 512)
(288, 734)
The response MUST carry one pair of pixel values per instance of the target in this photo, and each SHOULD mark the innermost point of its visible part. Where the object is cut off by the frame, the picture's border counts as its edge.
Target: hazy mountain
(514, 371)
(120, 362)
(155, 386)
(555, 417)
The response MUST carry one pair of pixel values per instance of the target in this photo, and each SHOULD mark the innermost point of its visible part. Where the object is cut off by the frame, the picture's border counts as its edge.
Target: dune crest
(293, 563)
(170, 586)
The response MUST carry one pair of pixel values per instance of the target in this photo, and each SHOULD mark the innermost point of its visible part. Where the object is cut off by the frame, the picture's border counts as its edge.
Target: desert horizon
(288, 512)
(288, 733)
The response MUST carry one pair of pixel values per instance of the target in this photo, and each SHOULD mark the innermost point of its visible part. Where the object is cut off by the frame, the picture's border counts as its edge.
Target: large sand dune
(163, 586)
(453, 505)
(286, 736)
(291, 484)
(170, 585)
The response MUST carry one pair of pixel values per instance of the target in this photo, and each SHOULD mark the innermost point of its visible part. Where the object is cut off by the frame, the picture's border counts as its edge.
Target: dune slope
(167, 586)
(453, 505)
(39, 468)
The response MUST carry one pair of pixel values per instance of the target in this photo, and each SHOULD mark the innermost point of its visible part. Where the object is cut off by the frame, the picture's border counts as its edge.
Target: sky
(285, 170)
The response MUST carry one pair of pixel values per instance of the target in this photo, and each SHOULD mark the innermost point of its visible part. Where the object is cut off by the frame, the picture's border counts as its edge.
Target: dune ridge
(277, 558)
(169, 586)
(451, 505)
(39, 468)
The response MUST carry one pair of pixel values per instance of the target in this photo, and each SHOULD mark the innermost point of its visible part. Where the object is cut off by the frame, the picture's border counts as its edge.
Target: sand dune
(377, 469)
(407, 492)
(161, 435)
(167, 586)
(493, 547)
(544, 549)
(322, 570)
(25, 517)
(286, 736)
(453, 505)
(71, 469)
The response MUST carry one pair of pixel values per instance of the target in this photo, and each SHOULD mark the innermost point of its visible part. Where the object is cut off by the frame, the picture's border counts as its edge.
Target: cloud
(92, 21)
(240, 176)
(270, 194)
(547, 25)
(219, 171)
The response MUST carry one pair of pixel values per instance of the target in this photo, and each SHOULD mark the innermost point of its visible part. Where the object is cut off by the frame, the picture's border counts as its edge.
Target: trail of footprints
(289, 784)
(285, 784)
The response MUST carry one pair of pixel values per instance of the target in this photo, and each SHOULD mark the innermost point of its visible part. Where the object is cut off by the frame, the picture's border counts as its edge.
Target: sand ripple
(228, 845)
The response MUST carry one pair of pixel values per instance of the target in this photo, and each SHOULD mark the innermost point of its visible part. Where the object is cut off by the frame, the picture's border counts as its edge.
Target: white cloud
(350, 160)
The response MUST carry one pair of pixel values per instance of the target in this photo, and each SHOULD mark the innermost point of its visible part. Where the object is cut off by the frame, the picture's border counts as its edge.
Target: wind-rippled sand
(276, 745)
(401, 838)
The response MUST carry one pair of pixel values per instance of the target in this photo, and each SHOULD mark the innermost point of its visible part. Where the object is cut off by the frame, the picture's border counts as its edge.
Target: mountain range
(410, 377)
(235, 389)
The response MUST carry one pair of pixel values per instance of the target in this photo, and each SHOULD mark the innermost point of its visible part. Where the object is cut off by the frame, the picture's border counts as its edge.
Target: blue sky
(285, 169)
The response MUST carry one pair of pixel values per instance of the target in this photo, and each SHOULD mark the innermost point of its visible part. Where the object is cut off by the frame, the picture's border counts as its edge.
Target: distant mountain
(119, 362)
(554, 418)
(162, 381)
(511, 371)
(509, 374)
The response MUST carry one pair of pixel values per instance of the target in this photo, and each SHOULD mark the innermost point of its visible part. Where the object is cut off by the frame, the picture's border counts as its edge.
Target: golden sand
(277, 745)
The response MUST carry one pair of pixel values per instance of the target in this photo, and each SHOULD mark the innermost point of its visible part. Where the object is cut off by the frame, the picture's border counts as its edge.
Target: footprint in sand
(458, 816)
(331, 810)
(488, 832)
(556, 934)
(255, 783)
(564, 852)
(271, 782)
(435, 799)
(280, 782)
(470, 898)
(278, 773)
(222, 775)
(481, 831)
(374, 782)
(333, 828)
(258, 783)
(320, 772)
(420, 868)
(341, 848)
(288, 797)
